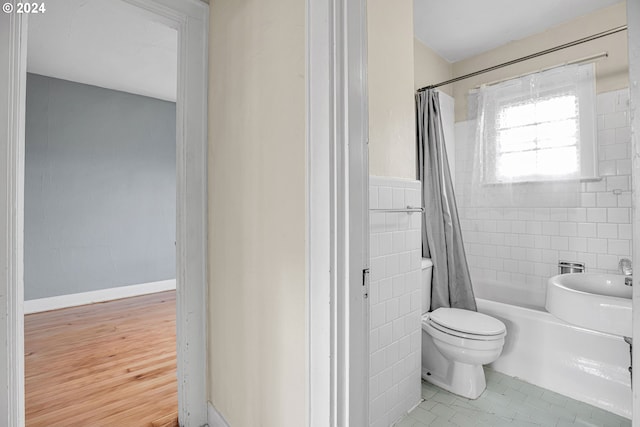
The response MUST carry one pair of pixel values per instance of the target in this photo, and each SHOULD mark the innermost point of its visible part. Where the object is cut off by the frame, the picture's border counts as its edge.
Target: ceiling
(460, 29)
(105, 43)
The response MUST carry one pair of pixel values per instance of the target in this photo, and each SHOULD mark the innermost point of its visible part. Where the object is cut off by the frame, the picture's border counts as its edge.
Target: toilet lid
(467, 321)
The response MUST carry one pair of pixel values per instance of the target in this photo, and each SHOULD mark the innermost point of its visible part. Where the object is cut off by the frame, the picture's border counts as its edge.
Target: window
(540, 127)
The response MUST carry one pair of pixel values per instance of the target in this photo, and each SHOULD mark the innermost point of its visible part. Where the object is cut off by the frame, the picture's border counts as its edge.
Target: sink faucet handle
(625, 267)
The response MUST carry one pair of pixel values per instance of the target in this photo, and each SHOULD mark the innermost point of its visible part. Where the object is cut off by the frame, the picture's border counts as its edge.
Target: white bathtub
(545, 351)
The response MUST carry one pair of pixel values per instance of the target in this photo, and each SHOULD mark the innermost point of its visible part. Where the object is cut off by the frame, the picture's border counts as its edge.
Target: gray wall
(100, 188)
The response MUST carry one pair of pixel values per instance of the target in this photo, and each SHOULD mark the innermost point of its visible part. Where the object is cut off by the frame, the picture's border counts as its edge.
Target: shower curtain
(441, 234)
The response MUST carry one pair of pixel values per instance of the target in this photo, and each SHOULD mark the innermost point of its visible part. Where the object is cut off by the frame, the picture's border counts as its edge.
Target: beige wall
(430, 68)
(257, 212)
(611, 72)
(391, 101)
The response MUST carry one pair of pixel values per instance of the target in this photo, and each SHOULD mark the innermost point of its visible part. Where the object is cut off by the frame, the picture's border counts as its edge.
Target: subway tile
(608, 262)
(596, 214)
(503, 227)
(398, 332)
(569, 229)
(590, 260)
(385, 198)
(618, 183)
(550, 228)
(526, 240)
(607, 167)
(616, 120)
(623, 167)
(559, 243)
(373, 197)
(543, 242)
(597, 246)
(533, 227)
(616, 152)
(541, 214)
(391, 221)
(398, 241)
(398, 198)
(606, 103)
(576, 214)
(606, 199)
(489, 226)
(385, 334)
(625, 231)
(377, 315)
(397, 284)
(578, 244)
(518, 253)
(510, 214)
(392, 265)
(624, 200)
(567, 255)
(534, 255)
(596, 186)
(519, 227)
(607, 231)
(623, 135)
(619, 247)
(549, 256)
(558, 214)
(619, 215)
(391, 310)
(412, 197)
(588, 200)
(385, 289)
(587, 229)
(404, 262)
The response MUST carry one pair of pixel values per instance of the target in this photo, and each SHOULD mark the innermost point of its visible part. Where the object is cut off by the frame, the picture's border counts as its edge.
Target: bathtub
(545, 351)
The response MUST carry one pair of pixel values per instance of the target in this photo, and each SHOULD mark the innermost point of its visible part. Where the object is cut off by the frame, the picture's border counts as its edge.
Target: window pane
(558, 132)
(517, 139)
(557, 108)
(514, 165)
(558, 161)
(517, 115)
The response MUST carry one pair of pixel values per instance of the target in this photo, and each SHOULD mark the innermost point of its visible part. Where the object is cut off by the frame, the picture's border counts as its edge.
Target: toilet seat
(465, 324)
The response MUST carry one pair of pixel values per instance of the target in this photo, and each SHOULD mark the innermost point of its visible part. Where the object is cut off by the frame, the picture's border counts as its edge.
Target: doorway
(190, 20)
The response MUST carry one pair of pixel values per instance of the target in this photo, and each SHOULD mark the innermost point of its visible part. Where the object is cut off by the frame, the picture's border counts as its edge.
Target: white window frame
(587, 142)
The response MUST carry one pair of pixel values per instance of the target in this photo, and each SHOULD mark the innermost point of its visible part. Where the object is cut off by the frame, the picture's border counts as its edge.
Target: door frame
(337, 214)
(633, 35)
(190, 19)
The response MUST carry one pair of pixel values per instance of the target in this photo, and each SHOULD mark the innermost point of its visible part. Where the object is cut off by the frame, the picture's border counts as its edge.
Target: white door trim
(190, 19)
(337, 213)
(633, 34)
(13, 60)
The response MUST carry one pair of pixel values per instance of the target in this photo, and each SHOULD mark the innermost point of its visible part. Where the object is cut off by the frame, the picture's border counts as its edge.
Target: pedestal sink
(599, 302)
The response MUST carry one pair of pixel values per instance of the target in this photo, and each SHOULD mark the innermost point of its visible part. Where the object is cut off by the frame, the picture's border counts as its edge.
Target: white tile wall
(523, 245)
(395, 301)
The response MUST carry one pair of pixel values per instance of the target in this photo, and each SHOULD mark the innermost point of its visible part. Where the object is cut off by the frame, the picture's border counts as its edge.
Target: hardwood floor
(111, 364)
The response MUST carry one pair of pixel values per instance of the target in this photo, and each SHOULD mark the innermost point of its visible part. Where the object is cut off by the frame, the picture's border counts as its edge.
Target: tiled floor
(506, 402)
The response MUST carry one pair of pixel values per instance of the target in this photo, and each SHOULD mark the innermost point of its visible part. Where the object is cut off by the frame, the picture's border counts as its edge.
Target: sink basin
(599, 302)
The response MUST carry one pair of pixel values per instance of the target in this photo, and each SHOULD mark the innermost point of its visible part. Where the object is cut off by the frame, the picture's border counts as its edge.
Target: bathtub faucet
(625, 267)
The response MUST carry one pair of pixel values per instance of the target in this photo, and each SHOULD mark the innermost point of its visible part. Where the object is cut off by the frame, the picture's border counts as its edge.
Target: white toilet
(456, 343)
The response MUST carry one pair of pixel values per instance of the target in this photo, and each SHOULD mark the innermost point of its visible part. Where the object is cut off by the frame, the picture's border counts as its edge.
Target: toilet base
(462, 379)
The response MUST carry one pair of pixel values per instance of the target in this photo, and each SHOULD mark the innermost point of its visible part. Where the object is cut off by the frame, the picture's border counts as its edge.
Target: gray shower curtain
(441, 234)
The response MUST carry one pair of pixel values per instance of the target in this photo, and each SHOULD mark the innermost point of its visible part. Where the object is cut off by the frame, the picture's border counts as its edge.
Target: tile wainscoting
(395, 301)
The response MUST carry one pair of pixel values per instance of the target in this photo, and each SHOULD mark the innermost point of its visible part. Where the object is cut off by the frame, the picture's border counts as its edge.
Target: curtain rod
(525, 58)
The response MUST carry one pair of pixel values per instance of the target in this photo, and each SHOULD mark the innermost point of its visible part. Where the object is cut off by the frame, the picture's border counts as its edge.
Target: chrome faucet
(625, 267)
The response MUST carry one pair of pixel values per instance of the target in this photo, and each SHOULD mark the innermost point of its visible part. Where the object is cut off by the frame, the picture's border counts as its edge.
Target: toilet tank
(427, 266)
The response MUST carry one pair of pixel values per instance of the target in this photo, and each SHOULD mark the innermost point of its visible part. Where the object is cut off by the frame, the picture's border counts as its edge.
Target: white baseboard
(215, 418)
(102, 295)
